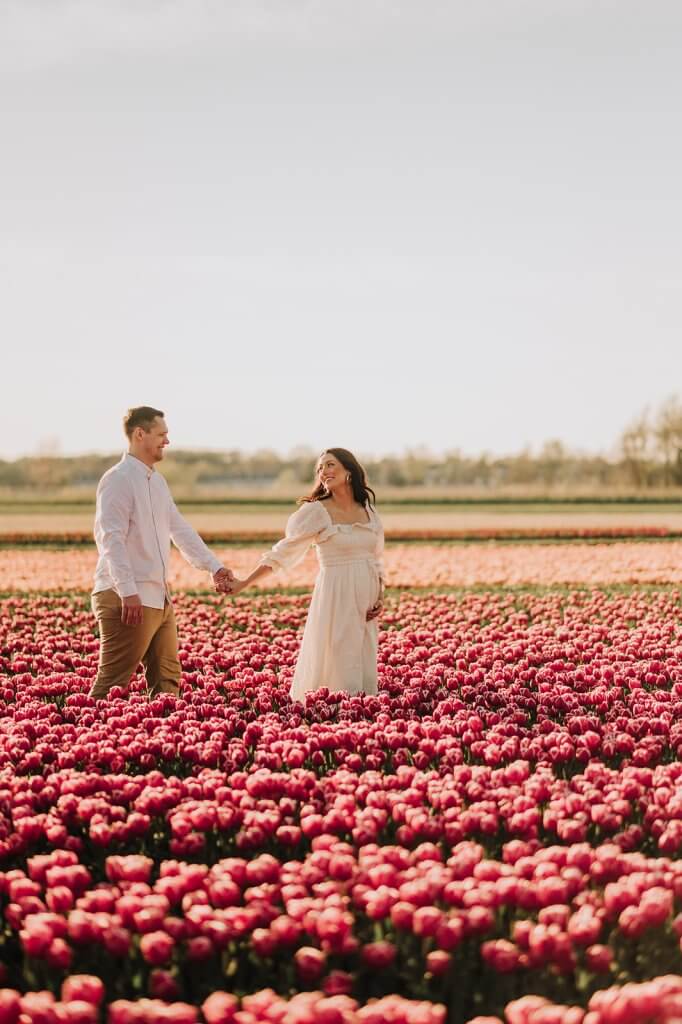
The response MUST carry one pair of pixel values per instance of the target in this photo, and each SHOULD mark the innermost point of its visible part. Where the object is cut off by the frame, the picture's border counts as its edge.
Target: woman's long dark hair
(362, 492)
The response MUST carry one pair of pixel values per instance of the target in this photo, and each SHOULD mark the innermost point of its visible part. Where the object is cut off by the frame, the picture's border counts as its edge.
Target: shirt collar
(138, 465)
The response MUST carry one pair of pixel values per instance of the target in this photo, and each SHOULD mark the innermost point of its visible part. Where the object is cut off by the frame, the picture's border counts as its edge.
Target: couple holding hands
(135, 521)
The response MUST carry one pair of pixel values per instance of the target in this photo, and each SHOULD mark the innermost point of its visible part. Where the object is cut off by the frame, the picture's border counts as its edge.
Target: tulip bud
(378, 955)
(77, 1011)
(220, 1008)
(157, 947)
(84, 987)
(310, 963)
(10, 1006)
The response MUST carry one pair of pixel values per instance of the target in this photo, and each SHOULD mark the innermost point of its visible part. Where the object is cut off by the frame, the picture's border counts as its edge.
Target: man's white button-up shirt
(135, 521)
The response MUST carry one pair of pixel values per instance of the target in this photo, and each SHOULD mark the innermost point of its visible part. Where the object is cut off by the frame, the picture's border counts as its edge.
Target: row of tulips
(216, 814)
(80, 1002)
(20, 538)
(424, 565)
(466, 929)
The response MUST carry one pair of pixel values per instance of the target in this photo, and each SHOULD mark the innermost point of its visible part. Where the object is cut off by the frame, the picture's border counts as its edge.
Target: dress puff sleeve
(302, 529)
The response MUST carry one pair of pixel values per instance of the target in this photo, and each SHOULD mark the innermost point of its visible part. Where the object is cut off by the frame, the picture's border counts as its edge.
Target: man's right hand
(131, 610)
(223, 580)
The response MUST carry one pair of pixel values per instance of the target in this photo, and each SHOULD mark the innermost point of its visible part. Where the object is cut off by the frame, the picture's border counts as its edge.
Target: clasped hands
(226, 582)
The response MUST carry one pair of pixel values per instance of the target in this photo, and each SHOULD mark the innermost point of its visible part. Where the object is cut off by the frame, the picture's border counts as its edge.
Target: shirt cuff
(215, 565)
(127, 589)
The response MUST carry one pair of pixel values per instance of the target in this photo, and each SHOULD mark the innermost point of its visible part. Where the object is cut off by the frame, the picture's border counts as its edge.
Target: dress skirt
(339, 646)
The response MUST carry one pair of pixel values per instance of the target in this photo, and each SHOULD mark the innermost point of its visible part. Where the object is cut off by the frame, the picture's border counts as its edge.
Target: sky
(379, 224)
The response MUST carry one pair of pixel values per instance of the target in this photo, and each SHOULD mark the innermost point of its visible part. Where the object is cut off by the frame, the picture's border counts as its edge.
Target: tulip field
(495, 838)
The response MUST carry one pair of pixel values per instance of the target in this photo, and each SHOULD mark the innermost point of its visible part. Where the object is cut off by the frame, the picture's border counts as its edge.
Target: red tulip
(310, 963)
(10, 1006)
(379, 955)
(157, 947)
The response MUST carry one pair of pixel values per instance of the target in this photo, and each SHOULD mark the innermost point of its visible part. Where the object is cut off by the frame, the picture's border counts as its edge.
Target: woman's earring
(348, 478)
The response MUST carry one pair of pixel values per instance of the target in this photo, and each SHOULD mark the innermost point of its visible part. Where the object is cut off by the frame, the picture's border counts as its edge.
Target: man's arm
(112, 522)
(193, 549)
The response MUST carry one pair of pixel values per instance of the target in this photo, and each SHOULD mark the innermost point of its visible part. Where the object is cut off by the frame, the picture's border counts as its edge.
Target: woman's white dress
(339, 646)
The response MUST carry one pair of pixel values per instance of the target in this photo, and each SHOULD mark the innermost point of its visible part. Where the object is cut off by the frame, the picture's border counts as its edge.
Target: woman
(339, 647)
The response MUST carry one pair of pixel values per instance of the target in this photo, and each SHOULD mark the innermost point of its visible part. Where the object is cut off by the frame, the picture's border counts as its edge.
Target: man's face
(155, 439)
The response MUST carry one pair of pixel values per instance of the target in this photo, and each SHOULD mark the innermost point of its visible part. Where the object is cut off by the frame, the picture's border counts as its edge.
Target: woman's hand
(236, 586)
(376, 610)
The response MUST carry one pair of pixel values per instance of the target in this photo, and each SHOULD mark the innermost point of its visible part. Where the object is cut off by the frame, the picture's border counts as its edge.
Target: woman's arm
(378, 608)
(302, 528)
(258, 573)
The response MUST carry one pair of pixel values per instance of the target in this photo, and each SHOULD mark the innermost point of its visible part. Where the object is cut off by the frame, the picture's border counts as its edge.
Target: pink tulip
(220, 1008)
(84, 987)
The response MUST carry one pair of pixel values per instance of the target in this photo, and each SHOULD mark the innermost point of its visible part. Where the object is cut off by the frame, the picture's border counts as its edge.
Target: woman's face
(330, 472)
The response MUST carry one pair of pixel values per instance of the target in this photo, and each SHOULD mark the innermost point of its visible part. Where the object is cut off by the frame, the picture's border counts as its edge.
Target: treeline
(648, 456)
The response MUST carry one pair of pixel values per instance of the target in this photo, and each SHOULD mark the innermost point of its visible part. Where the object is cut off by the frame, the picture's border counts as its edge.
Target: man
(135, 521)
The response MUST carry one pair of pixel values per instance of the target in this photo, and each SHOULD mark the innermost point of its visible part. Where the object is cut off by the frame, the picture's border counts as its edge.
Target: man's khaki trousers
(154, 643)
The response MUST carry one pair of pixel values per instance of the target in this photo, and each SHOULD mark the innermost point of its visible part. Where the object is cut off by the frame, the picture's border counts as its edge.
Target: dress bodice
(336, 543)
(347, 542)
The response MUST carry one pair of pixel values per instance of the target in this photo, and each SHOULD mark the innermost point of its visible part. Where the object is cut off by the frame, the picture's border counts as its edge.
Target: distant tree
(551, 462)
(667, 434)
(301, 464)
(635, 447)
(521, 468)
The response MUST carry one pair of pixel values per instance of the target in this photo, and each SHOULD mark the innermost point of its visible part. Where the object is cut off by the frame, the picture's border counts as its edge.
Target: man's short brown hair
(141, 416)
